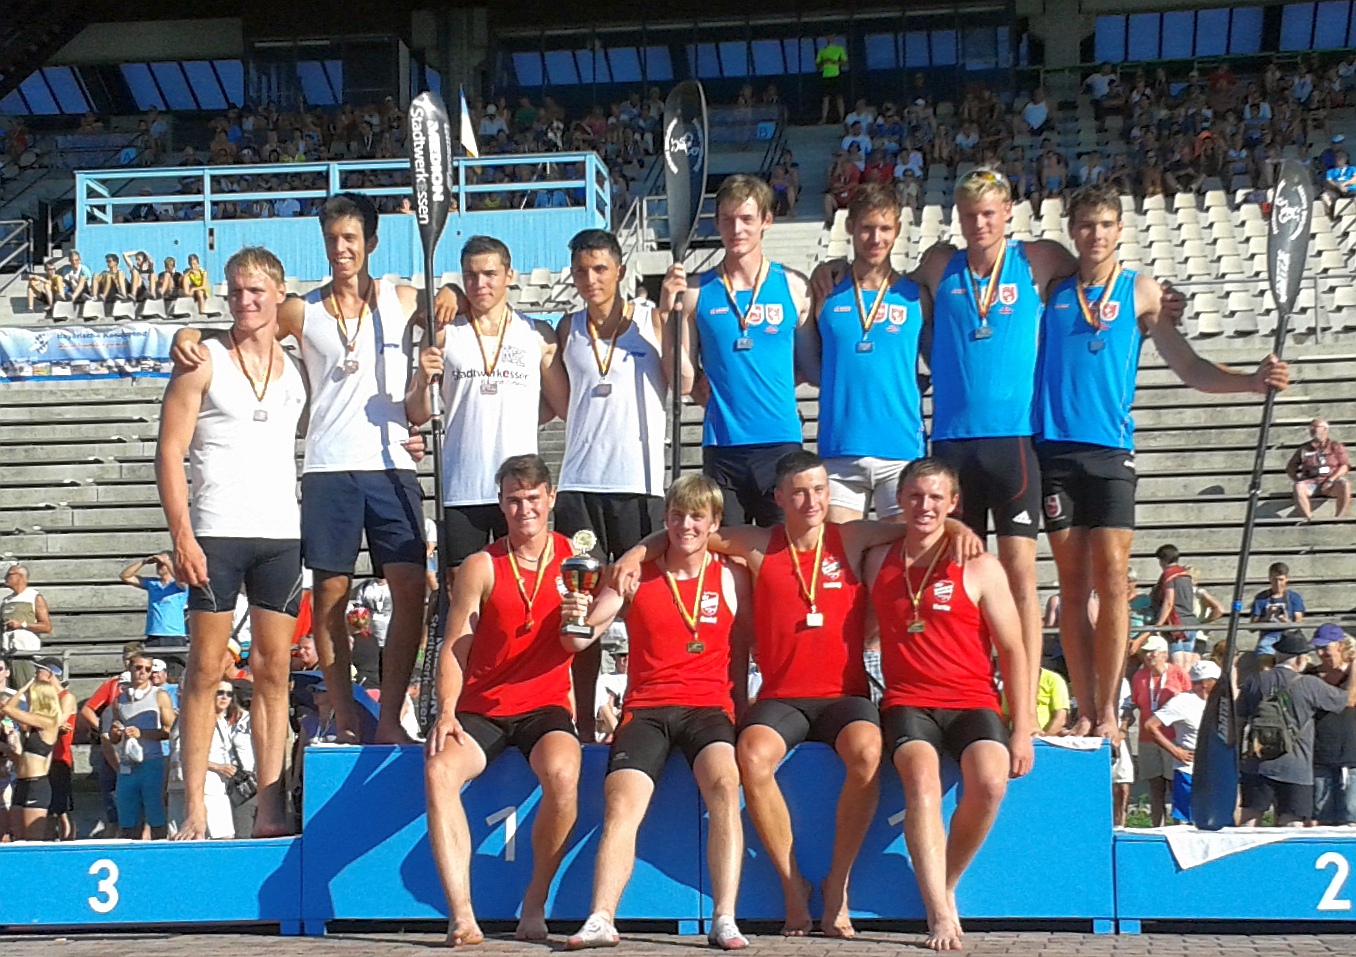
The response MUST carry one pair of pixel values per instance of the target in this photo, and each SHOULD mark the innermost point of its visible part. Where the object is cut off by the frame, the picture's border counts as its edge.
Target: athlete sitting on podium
(504, 680)
(688, 622)
(940, 623)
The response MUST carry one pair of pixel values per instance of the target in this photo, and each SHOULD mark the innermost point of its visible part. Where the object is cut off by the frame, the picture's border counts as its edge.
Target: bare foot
(798, 921)
(463, 933)
(392, 735)
(955, 911)
(194, 828)
(267, 828)
(1111, 730)
(836, 922)
(531, 927)
(597, 931)
(944, 934)
(1080, 728)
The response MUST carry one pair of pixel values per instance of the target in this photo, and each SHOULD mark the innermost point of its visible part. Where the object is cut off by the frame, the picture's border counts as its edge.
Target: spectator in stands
(230, 753)
(166, 599)
(112, 283)
(169, 282)
(135, 725)
(1335, 733)
(77, 277)
(830, 61)
(102, 758)
(1173, 600)
(862, 114)
(1098, 86)
(24, 618)
(1052, 703)
(1182, 717)
(1035, 116)
(60, 774)
(304, 657)
(36, 710)
(142, 272)
(1286, 781)
(195, 285)
(1091, 172)
(1277, 603)
(856, 135)
(1319, 467)
(1152, 687)
(47, 287)
(844, 177)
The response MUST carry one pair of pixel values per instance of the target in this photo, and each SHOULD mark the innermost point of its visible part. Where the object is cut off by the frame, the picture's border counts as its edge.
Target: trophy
(580, 573)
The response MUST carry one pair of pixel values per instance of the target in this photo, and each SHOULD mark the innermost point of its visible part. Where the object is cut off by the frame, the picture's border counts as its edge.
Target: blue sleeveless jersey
(1086, 390)
(869, 402)
(985, 387)
(753, 391)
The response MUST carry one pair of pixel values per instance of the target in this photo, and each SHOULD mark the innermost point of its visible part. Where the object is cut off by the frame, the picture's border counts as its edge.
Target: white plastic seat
(1209, 324)
(1231, 266)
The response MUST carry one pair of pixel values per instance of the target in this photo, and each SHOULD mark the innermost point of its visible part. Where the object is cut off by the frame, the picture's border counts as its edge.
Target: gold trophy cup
(581, 573)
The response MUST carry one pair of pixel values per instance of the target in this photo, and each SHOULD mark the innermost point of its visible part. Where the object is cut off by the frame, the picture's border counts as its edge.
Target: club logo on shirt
(898, 315)
(942, 591)
(1052, 506)
(1110, 310)
(710, 606)
(830, 568)
(756, 314)
(775, 314)
(1007, 293)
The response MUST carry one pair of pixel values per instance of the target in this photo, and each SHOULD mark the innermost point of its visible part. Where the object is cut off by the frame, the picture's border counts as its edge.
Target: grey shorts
(863, 482)
(1154, 762)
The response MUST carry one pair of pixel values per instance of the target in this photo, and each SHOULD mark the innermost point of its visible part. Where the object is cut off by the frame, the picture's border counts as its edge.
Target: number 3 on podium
(108, 886)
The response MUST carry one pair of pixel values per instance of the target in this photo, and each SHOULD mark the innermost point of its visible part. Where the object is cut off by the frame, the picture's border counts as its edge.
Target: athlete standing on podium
(503, 680)
(744, 322)
(1094, 327)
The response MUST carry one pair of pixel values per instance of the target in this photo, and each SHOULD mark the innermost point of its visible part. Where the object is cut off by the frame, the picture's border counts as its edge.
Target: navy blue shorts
(337, 507)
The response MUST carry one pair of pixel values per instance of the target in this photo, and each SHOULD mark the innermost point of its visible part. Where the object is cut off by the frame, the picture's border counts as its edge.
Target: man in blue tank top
(1095, 323)
(743, 324)
(864, 354)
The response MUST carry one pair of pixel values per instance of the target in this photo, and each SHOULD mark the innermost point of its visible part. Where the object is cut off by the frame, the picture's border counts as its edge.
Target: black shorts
(469, 528)
(59, 780)
(32, 794)
(810, 719)
(947, 730)
(747, 476)
(999, 475)
(521, 731)
(1260, 793)
(619, 519)
(1086, 486)
(647, 735)
(338, 507)
(831, 85)
(269, 569)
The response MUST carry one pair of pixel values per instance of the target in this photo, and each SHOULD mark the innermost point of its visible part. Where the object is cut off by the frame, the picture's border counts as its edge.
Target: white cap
(158, 665)
(1154, 643)
(1205, 671)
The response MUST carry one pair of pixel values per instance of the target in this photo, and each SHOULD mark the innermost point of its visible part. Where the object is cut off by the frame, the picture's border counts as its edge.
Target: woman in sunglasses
(230, 754)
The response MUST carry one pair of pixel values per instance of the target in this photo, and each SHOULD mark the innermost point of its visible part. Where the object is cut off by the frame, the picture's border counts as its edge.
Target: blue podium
(368, 856)
(1063, 806)
(1299, 879)
(112, 883)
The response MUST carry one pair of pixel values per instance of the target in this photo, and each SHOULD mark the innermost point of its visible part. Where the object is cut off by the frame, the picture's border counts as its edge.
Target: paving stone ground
(870, 944)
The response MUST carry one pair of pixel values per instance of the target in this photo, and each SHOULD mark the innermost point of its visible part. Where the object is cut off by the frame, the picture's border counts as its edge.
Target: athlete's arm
(470, 588)
(987, 584)
(690, 356)
(1197, 372)
(187, 350)
(871, 563)
(807, 328)
(555, 384)
(748, 542)
(825, 277)
(178, 419)
(925, 301)
(449, 303)
(1050, 263)
(418, 408)
(738, 588)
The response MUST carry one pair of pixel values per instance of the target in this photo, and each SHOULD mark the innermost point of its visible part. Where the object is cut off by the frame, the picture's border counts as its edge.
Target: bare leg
(920, 772)
(984, 781)
(1018, 556)
(859, 745)
(1120, 803)
(1302, 500)
(208, 634)
(759, 752)
(717, 776)
(555, 760)
(406, 582)
(1342, 492)
(450, 836)
(627, 796)
(329, 597)
(270, 656)
(1070, 549)
(1110, 553)
(1158, 799)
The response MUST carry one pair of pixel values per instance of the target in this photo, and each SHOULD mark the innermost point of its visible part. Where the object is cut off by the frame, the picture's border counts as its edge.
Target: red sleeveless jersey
(513, 669)
(798, 660)
(666, 667)
(949, 664)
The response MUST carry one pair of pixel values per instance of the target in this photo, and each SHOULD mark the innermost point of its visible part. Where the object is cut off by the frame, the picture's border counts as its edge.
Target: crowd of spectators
(72, 281)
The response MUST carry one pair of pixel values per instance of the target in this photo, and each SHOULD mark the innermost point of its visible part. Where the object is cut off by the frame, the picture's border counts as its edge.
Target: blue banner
(89, 352)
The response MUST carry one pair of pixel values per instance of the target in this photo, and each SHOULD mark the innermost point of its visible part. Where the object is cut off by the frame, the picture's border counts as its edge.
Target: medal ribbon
(917, 596)
(868, 319)
(491, 364)
(350, 343)
(743, 315)
(689, 617)
(1094, 319)
(808, 593)
(990, 296)
(543, 560)
(605, 364)
(268, 372)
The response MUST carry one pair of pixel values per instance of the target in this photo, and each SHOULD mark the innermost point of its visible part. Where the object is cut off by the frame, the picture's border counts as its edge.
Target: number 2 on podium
(108, 886)
(1330, 900)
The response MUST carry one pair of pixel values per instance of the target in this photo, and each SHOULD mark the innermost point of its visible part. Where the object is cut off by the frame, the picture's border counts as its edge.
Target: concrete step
(12, 433)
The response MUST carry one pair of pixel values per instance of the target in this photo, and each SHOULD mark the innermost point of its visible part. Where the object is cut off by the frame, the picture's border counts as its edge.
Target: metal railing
(16, 251)
(1265, 305)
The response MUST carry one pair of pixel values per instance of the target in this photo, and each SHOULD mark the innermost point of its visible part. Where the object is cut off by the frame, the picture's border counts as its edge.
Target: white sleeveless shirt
(243, 469)
(358, 418)
(486, 427)
(614, 436)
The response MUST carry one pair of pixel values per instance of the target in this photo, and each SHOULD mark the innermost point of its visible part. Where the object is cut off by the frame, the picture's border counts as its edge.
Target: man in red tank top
(504, 681)
(809, 615)
(688, 623)
(940, 623)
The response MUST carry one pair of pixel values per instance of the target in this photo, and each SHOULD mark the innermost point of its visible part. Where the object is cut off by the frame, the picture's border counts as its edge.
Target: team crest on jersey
(774, 314)
(1007, 293)
(830, 568)
(897, 315)
(1110, 310)
(710, 606)
(1052, 506)
(755, 316)
(943, 590)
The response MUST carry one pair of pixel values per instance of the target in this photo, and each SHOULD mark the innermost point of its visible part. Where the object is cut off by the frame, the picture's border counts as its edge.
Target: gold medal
(814, 619)
(696, 647)
(917, 625)
(690, 618)
(543, 560)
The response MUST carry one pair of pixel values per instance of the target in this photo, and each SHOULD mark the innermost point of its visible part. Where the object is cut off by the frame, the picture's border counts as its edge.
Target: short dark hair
(1099, 196)
(924, 467)
(592, 240)
(1168, 553)
(528, 471)
(873, 197)
(351, 205)
(1278, 568)
(483, 245)
(793, 463)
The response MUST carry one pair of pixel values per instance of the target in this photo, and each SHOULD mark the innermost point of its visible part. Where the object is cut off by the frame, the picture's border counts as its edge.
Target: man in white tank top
(243, 528)
(612, 478)
(500, 380)
(359, 477)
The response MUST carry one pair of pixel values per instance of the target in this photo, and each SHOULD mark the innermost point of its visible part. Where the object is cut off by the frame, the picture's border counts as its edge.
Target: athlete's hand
(415, 444)
(965, 544)
(575, 605)
(431, 363)
(449, 303)
(825, 276)
(446, 727)
(1172, 307)
(188, 352)
(190, 564)
(623, 577)
(1022, 755)
(1271, 374)
(673, 288)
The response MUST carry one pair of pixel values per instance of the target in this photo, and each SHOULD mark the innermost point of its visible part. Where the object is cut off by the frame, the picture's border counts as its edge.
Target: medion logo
(689, 143)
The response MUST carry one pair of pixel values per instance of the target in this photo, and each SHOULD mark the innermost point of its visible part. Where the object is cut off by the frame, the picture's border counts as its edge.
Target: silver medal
(1096, 345)
(350, 366)
(983, 332)
(260, 415)
(864, 346)
(743, 344)
(603, 389)
(489, 387)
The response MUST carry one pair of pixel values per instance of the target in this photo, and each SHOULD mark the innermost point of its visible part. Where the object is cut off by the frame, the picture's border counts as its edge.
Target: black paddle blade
(430, 167)
(1214, 786)
(685, 154)
(1292, 210)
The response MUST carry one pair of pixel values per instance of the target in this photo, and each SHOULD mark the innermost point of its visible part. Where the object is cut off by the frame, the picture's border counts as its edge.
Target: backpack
(1271, 732)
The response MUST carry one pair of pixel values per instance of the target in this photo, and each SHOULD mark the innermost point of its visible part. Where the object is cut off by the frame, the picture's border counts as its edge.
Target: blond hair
(980, 182)
(736, 190)
(256, 259)
(694, 493)
(43, 699)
